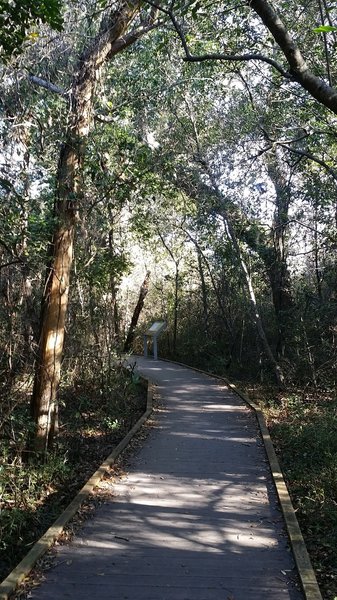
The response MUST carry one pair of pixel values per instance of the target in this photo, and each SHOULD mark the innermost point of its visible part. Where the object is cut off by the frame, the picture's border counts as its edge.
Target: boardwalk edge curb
(305, 569)
(22, 570)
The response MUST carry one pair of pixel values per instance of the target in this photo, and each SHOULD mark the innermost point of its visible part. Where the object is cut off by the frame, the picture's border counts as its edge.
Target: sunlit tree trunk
(68, 200)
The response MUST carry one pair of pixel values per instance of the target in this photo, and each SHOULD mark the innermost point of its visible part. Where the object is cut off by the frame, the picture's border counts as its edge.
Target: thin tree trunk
(176, 292)
(136, 313)
(109, 41)
(203, 293)
(216, 291)
(176, 307)
(26, 299)
(249, 286)
(318, 272)
(278, 270)
(113, 292)
(233, 239)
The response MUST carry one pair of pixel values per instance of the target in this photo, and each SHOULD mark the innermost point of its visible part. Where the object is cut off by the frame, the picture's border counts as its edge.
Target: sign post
(153, 332)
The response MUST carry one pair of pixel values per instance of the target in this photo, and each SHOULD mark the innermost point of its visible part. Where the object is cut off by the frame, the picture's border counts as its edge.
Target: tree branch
(325, 44)
(128, 39)
(103, 118)
(312, 157)
(298, 71)
(322, 92)
(298, 152)
(239, 58)
(224, 57)
(9, 264)
(47, 85)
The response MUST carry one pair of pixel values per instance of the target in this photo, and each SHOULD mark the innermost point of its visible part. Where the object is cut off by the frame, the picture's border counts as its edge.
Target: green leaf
(324, 29)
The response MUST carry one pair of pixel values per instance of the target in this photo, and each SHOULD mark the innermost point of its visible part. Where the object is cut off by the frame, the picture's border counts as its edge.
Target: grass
(94, 417)
(303, 428)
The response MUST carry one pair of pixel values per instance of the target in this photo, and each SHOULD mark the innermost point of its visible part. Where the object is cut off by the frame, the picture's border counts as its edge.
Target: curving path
(196, 518)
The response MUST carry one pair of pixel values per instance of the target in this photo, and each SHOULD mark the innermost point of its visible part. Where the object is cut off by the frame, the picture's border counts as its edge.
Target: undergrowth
(303, 429)
(95, 413)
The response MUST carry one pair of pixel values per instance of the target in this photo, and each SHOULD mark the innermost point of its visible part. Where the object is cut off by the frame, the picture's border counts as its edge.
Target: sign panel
(156, 328)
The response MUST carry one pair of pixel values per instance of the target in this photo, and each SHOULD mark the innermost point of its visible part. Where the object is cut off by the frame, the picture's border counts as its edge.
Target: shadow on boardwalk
(196, 518)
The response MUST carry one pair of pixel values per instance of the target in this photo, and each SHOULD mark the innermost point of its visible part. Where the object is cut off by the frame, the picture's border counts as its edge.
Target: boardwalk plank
(196, 517)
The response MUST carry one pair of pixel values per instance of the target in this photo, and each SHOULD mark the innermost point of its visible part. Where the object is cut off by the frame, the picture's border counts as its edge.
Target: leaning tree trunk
(109, 41)
(248, 282)
(136, 313)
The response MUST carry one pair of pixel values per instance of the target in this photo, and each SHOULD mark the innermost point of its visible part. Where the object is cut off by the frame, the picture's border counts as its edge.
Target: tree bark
(278, 270)
(299, 70)
(249, 285)
(136, 313)
(109, 41)
(203, 293)
(176, 292)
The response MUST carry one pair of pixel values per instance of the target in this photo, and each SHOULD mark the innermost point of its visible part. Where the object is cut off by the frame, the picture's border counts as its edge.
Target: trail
(195, 518)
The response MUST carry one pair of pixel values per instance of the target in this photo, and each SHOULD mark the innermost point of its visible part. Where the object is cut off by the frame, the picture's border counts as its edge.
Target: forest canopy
(179, 157)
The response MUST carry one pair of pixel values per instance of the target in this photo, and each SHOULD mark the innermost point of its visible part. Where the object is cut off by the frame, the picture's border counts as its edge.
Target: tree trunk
(298, 67)
(249, 286)
(318, 272)
(53, 315)
(278, 270)
(216, 291)
(176, 292)
(136, 313)
(203, 293)
(113, 291)
(108, 42)
(175, 307)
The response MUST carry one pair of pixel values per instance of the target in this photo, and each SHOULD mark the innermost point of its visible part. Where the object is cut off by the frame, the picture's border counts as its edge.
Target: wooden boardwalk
(196, 518)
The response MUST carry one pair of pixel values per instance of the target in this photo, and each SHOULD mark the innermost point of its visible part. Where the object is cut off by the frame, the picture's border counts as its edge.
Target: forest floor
(93, 420)
(303, 427)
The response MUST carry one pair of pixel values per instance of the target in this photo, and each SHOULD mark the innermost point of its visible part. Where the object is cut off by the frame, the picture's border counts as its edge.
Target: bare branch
(261, 152)
(47, 85)
(239, 58)
(330, 238)
(312, 157)
(9, 264)
(322, 92)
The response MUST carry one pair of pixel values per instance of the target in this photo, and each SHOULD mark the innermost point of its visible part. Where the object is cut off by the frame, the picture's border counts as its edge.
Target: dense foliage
(18, 16)
(203, 154)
